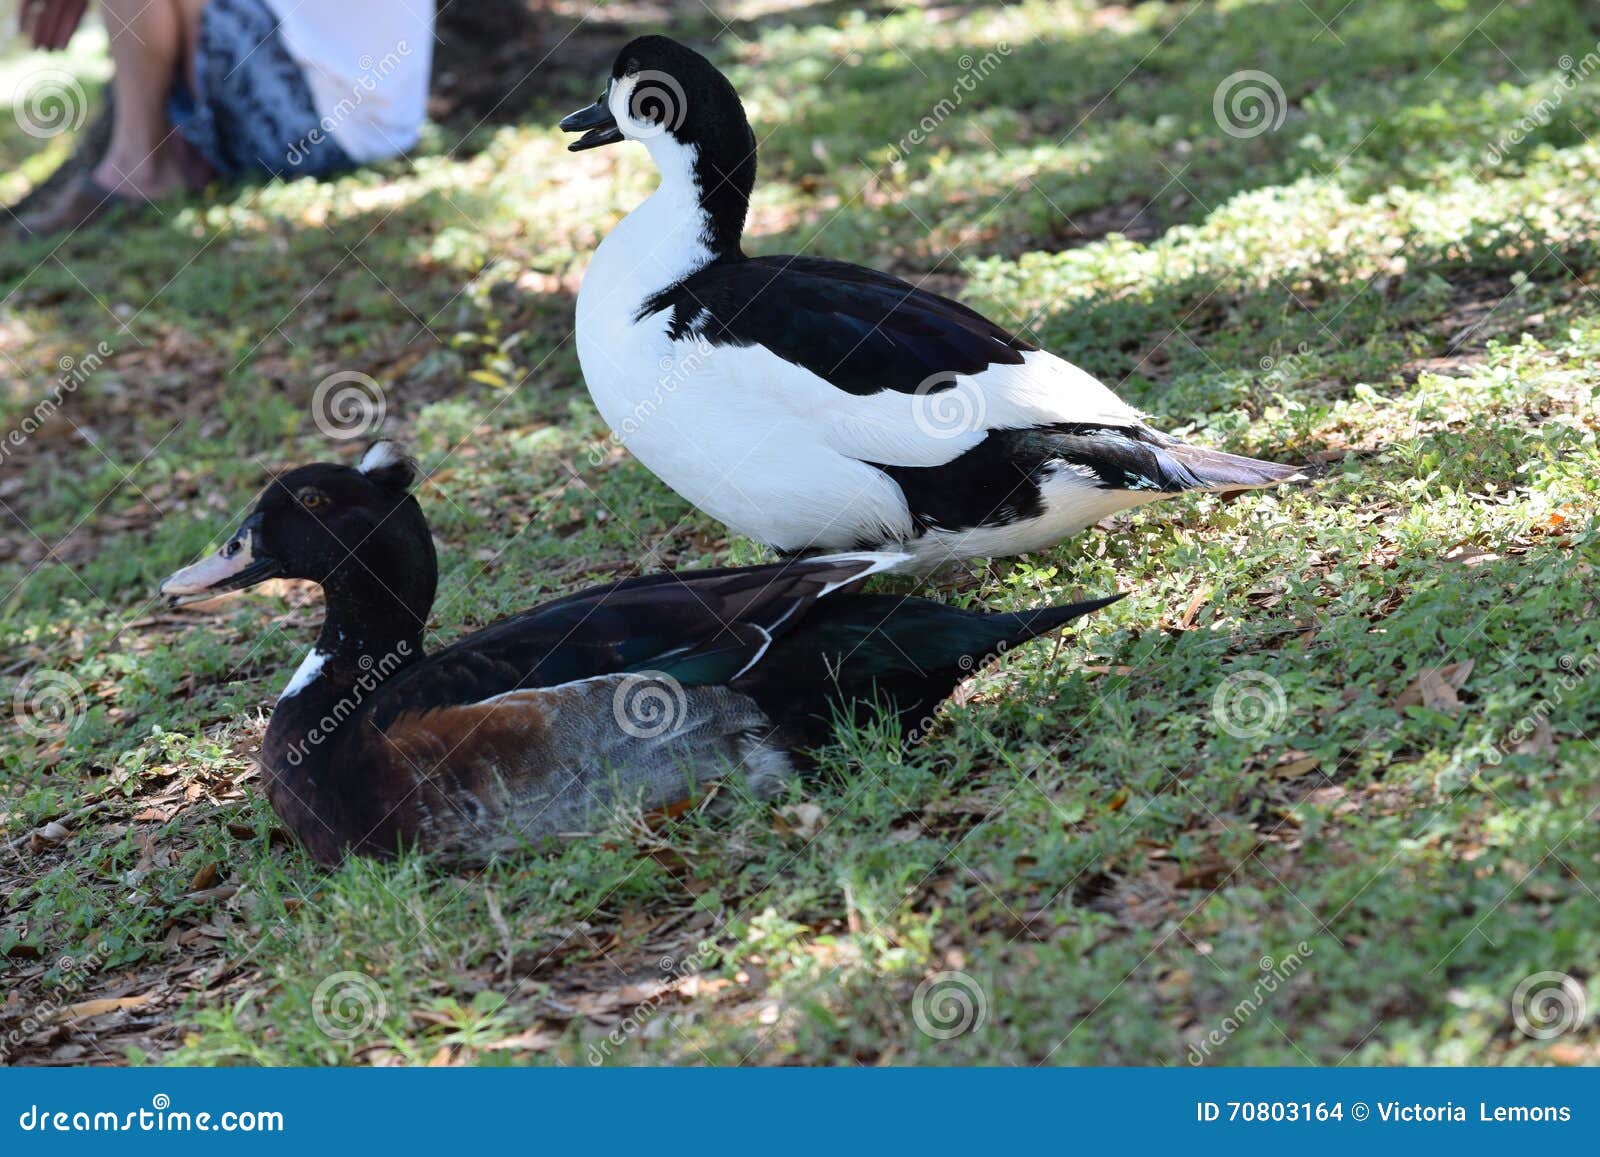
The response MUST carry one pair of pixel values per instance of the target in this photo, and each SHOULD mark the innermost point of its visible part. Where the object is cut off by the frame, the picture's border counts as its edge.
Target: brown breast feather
(493, 776)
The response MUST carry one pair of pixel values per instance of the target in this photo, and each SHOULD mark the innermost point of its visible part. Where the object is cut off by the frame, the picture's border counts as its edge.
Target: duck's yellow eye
(311, 498)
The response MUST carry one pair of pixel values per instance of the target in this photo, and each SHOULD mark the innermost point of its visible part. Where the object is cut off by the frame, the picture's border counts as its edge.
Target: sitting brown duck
(637, 693)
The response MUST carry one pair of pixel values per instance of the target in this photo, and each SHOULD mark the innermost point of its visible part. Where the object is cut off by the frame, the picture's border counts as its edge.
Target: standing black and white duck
(816, 405)
(633, 693)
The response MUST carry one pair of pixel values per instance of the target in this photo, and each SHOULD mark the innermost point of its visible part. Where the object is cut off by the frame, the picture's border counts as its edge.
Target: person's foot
(150, 179)
(81, 202)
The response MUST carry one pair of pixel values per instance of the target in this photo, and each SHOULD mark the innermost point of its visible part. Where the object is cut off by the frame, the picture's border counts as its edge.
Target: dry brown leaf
(1187, 619)
(1290, 768)
(802, 820)
(85, 1009)
(1471, 555)
(49, 836)
(1541, 742)
(1435, 688)
(532, 1040)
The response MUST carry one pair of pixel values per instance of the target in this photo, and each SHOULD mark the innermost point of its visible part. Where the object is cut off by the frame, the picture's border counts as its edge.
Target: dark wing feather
(701, 627)
(861, 330)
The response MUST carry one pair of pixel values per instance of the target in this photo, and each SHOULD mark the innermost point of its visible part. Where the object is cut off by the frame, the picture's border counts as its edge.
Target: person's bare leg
(151, 41)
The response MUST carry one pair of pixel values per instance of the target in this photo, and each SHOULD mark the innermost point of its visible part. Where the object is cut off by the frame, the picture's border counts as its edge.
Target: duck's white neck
(660, 243)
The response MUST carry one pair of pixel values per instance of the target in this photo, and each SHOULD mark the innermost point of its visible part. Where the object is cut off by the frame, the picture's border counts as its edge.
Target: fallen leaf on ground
(1541, 742)
(1435, 688)
(48, 836)
(804, 820)
(1294, 768)
(85, 1009)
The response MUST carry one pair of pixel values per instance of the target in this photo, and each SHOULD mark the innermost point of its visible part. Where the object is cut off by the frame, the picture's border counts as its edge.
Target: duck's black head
(674, 101)
(355, 530)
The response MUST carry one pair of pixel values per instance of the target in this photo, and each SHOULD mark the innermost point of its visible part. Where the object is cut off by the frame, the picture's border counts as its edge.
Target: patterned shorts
(253, 115)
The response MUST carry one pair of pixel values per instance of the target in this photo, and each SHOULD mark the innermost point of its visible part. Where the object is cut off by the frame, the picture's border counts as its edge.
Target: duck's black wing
(700, 627)
(858, 329)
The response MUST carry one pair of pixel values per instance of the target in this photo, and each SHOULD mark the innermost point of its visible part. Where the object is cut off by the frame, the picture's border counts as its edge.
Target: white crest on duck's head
(381, 455)
(388, 464)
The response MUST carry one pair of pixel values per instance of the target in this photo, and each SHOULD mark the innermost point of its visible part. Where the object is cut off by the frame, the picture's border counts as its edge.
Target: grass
(1320, 790)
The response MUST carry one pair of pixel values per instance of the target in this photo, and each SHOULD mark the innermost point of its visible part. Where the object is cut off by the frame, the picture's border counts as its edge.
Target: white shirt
(366, 63)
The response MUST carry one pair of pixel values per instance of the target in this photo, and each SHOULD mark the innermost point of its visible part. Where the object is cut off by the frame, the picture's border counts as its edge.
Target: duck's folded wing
(479, 778)
(700, 627)
(886, 372)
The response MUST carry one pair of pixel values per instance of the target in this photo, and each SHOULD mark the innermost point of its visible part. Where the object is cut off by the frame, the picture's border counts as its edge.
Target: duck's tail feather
(1143, 459)
(858, 653)
(1213, 470)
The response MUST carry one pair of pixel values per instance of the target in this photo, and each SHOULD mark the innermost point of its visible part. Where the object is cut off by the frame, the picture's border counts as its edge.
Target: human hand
(50, 23)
